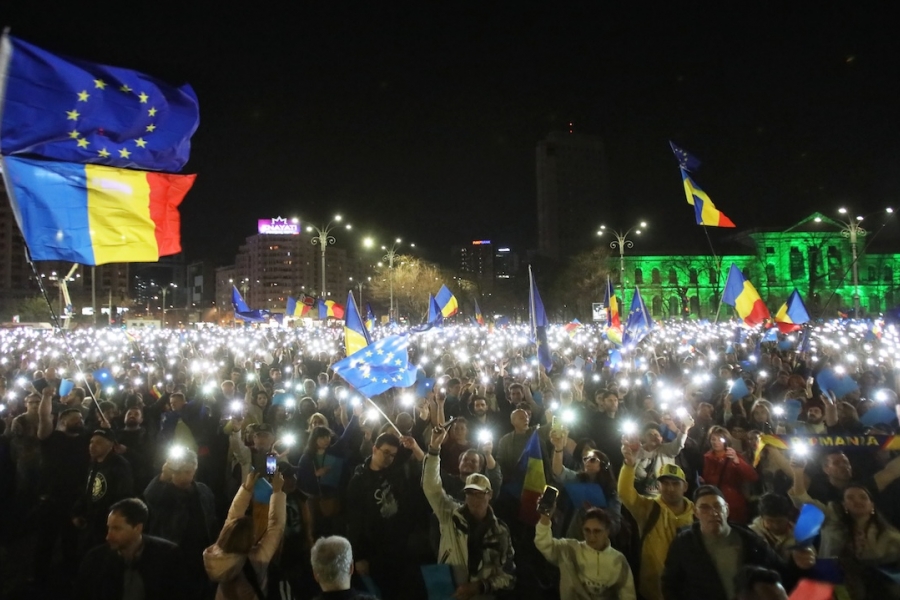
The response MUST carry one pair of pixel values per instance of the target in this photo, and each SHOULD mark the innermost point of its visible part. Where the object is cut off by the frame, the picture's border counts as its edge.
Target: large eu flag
(82, 112)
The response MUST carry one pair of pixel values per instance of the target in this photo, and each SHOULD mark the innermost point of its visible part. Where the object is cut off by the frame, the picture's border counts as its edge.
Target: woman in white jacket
(238, 561)
(588, 570)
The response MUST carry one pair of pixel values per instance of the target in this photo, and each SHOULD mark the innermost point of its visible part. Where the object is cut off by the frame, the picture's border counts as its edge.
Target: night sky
(422, 122)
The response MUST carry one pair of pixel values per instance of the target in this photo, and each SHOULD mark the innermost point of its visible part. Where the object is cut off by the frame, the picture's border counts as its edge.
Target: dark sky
(422, 121)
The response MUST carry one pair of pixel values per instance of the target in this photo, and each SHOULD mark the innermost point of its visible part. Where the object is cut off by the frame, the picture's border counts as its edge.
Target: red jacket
(730, 478)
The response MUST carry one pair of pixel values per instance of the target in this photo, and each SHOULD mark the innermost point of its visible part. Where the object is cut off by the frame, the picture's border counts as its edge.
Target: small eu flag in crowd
(378, 367)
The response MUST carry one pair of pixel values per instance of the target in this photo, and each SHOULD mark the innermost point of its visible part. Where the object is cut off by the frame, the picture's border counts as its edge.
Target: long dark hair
(875, 519)
(317, 433)
(604, 477)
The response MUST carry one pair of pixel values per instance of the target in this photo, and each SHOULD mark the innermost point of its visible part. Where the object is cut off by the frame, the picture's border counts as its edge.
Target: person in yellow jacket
(658, 518)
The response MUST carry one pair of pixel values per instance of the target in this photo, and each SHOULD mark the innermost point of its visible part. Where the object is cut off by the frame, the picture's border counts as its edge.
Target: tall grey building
(572, 192)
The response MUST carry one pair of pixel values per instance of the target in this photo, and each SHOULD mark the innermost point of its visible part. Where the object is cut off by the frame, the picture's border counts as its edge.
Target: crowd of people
(234, 463)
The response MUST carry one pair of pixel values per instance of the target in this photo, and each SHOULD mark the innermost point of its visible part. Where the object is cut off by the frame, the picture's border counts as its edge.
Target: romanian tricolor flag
(296, 309)
(573, 327)
(531, 465)
(447, 302)
(330, 309)
(355, 335)
(792, 314)
(479, 317)
(705, 211)
(612, 306)
(741, 294)
(94, 215)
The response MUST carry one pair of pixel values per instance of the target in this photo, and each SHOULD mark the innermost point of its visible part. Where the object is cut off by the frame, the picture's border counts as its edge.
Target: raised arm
(45, 418)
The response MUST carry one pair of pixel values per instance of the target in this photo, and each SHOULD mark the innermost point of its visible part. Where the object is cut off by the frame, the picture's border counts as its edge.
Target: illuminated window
(638, 277)
(673, 277)
(654, 277)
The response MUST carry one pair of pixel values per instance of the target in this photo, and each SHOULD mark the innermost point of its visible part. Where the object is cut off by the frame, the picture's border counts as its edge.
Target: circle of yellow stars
(84, 95)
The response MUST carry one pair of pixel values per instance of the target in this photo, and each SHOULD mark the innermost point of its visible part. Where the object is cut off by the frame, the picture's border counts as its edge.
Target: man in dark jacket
(380, 493)
(183, 511)
(332, 567)
(130, 564)
(703, 561)
(109, 481)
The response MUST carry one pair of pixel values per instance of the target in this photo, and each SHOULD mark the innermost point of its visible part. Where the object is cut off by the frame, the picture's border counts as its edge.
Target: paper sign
(336, 467)
(590, 493)
(439, 582)
(65, 386)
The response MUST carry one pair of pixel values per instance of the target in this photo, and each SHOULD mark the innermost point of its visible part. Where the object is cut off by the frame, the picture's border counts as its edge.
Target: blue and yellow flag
(355, 335)
(446, 302)
(82, 112)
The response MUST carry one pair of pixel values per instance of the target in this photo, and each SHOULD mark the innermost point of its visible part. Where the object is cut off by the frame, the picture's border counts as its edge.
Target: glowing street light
(621, 242)
(324, 239)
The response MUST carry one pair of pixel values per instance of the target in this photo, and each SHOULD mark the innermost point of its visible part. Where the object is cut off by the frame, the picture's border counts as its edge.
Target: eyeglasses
(711, 508)
(391, 455)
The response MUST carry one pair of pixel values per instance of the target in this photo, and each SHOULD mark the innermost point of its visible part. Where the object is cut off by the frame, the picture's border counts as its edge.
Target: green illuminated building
(814, 256)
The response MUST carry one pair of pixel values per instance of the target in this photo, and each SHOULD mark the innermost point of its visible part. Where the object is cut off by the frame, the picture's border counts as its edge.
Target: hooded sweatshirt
(226, 568)
(585, 573)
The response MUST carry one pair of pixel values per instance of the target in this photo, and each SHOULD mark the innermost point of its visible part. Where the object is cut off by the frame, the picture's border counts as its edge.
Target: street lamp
(360, 285)
(324, 239)
(621, 242)
(389, 256)
(852, 228)
(165, 288)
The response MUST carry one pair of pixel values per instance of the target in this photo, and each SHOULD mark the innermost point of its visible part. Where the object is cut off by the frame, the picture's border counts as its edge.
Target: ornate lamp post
(621, 242)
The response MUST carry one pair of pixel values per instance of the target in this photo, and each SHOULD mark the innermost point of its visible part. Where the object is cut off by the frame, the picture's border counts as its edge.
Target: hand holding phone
(548, 500)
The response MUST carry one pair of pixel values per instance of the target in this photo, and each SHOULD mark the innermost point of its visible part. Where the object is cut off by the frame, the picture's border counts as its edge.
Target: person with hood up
(237, 561)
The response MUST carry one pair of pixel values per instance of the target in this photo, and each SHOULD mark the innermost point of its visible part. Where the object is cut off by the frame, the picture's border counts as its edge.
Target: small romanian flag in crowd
(531, 464)
(792, 314)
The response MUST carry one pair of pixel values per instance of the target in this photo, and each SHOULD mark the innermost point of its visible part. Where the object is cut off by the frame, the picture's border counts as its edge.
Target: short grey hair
(188, 459)
(332, 558)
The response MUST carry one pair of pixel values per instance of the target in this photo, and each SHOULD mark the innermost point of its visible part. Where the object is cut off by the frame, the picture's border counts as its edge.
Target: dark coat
(160, 565)
(170, 512)
(381, 508)
(690, 573)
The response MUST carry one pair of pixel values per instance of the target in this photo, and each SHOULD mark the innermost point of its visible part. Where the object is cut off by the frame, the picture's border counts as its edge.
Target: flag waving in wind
(355, 335)
(639, 322)
(378, 367)
(539, 323)
(81, 112)
(686, 160)
(741, 294)
(704, 209)
(792, 314)
(447, 302)
(243, 312)
(479, 318)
